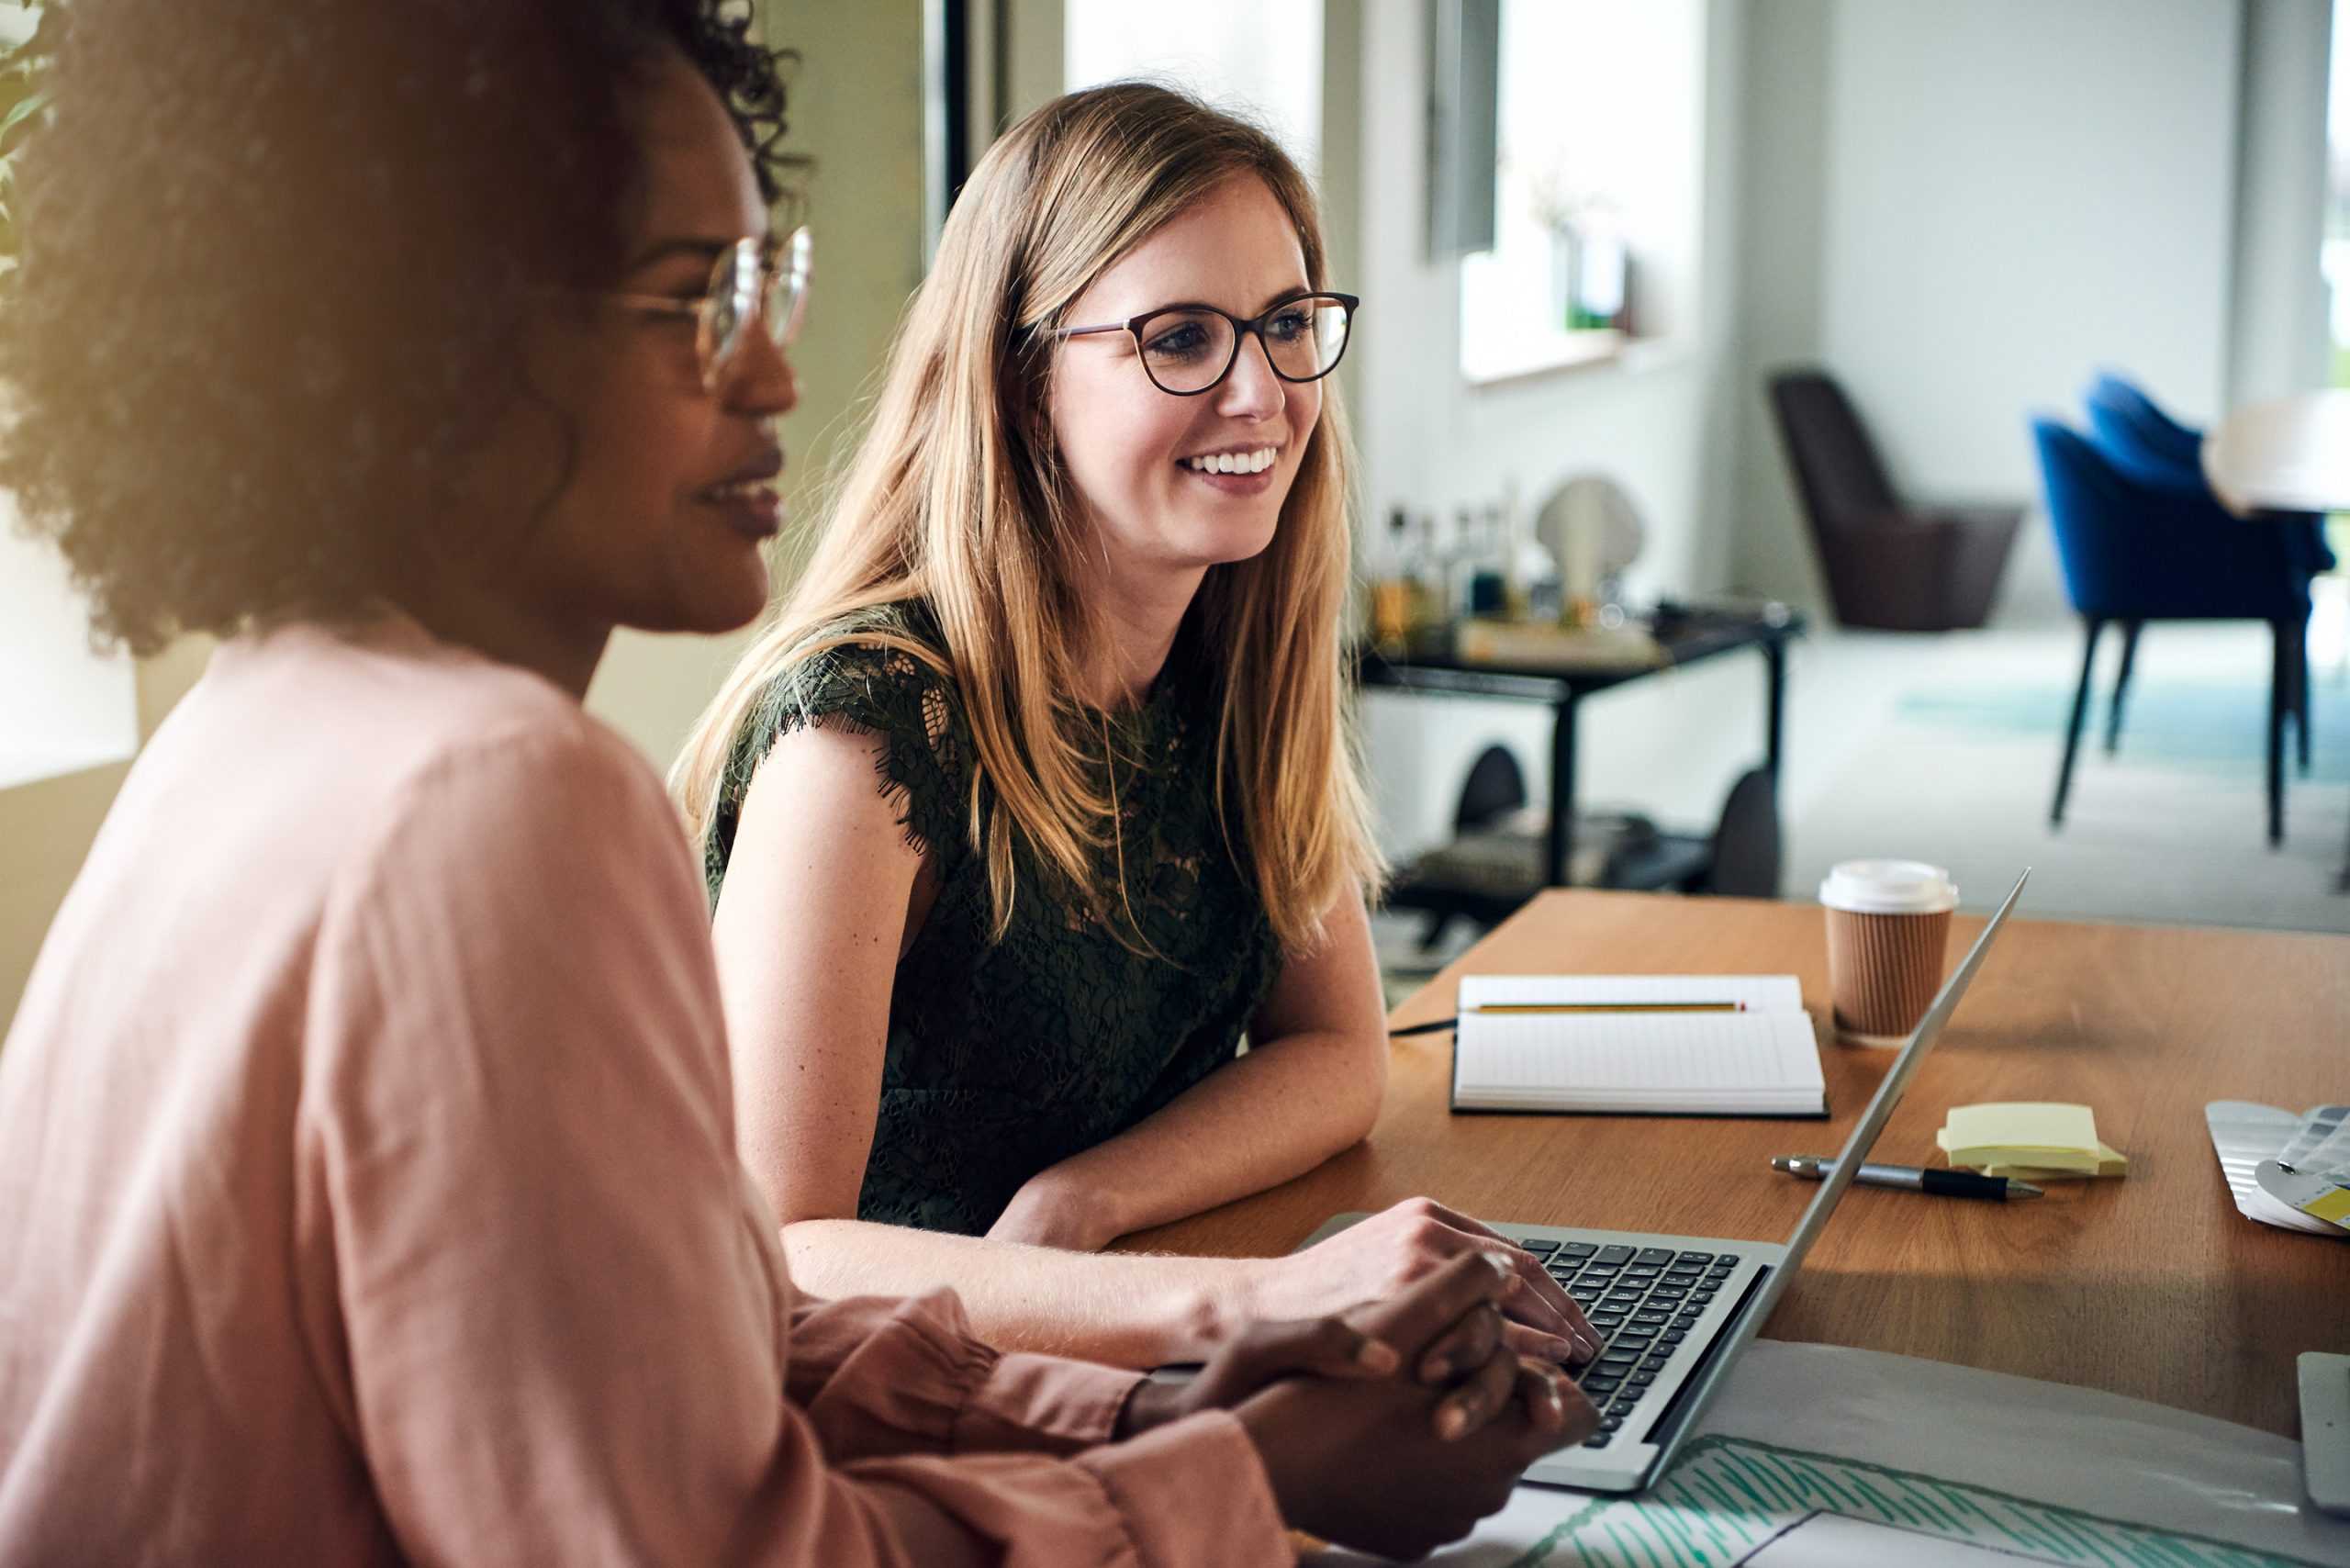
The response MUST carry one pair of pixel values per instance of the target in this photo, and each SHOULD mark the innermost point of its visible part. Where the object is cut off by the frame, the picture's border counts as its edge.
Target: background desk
(2287, 456)
(2154, 1286)
(1435, 670)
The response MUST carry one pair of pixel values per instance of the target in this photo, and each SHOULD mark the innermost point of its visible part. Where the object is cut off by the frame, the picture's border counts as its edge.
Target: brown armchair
(1896, 567)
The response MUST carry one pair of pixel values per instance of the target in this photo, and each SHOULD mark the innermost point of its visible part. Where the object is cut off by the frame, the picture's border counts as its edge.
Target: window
(1598, 183)
(1259, 58)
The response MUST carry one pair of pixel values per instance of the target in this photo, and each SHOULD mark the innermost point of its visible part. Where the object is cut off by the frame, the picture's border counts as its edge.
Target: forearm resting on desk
(1276, 1112)
(1123, 1309)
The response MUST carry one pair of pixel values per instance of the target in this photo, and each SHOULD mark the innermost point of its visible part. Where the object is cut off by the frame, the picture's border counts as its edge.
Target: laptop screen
(1681, 1418)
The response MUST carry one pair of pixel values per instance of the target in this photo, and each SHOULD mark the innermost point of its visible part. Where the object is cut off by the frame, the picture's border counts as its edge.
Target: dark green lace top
(1007, 1056)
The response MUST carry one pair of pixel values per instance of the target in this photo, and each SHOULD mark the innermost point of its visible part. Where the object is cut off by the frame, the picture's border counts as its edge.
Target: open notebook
(1760, 1062)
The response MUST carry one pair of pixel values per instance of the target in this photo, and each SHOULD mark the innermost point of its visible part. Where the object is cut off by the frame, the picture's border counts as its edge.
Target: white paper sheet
(1817, 1445)
(2311, 1175)
(2321, 1138)
(2244, 1135)
(1839, 1541)
(1722, 1060)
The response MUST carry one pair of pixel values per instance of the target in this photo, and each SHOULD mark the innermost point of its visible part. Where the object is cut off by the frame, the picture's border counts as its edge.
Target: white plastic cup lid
(1889, 887)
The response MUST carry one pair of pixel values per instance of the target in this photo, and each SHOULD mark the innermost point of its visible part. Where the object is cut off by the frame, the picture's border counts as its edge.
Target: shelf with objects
(1503, 853)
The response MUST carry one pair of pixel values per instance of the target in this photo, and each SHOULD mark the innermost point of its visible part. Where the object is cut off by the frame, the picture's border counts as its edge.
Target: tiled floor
(2159, 831)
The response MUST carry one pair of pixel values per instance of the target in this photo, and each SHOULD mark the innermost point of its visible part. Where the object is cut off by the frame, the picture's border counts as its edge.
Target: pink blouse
(368, 1189)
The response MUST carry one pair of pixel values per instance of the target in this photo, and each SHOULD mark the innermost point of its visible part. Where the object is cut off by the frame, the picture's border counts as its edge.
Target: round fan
(1590, 523)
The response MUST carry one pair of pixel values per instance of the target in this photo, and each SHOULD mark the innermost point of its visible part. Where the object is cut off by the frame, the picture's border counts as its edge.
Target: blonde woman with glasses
(1035, 797)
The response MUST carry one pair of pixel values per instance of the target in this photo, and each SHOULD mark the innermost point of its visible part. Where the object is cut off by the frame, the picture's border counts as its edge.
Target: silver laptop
(1676, 1310)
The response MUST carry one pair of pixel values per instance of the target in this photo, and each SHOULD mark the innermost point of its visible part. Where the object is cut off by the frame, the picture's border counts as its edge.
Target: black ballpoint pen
(1945, 1184)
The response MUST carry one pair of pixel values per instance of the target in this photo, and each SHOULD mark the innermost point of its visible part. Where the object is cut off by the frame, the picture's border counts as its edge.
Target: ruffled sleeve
(897, 1375)
(878, 688)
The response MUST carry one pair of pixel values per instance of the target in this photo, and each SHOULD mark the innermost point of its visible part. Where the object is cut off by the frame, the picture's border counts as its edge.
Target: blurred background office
(1780, 285)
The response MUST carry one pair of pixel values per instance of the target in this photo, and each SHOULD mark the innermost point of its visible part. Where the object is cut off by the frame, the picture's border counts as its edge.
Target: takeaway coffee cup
(1889, 922)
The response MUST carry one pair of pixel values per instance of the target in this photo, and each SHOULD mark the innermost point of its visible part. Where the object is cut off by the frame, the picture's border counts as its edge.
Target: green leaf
(21, 111)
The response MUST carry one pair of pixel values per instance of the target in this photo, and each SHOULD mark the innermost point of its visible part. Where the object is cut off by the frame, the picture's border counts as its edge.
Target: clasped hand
(1394, 1427)
(1367, 1261)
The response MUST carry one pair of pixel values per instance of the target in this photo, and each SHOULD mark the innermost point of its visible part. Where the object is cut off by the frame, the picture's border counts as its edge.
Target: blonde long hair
(957, 496)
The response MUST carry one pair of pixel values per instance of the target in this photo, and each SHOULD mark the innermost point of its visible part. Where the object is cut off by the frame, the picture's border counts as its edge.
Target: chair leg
(2073, 732)
(2279, 700)
(2121, 684)
(2301, 697)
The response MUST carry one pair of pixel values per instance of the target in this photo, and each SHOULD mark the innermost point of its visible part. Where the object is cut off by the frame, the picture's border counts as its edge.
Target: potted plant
(20, 103)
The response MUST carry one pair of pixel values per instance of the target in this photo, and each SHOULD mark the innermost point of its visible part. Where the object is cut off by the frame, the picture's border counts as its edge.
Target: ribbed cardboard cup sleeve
(1883, 971)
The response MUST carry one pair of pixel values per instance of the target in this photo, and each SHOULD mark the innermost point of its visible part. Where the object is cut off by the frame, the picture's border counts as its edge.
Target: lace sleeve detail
(891, 694)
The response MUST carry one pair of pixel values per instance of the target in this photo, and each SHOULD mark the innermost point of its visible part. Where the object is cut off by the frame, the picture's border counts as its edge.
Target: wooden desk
(2154, 1286)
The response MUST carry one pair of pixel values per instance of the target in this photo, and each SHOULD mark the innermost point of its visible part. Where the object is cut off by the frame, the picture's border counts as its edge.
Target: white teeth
(1255, 461)
(740, 489)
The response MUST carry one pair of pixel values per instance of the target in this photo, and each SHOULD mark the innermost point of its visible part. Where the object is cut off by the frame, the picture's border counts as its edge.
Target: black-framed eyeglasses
(748, 287)
(1190, 349)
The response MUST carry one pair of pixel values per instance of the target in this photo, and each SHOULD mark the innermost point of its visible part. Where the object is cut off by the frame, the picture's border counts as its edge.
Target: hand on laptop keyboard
(1645, 1301)
(1376, 1258)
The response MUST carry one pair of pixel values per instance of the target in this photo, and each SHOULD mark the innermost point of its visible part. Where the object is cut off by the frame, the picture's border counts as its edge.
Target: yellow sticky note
(2023, 1125)
(2036, 1133)
(2111, 1161)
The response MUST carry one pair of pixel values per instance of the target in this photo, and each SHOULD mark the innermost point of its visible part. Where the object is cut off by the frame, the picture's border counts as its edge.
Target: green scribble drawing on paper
(1728, 1497)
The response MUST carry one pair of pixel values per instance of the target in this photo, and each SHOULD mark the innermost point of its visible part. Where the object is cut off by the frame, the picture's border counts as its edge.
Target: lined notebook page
(1755, 1062)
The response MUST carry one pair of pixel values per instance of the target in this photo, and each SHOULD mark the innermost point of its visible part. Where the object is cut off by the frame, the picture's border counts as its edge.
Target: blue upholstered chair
(2138, 546)
(2127, 421)
(2146, 442)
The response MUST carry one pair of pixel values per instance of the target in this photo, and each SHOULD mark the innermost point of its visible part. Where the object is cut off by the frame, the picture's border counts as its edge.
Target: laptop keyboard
(1643, 1302)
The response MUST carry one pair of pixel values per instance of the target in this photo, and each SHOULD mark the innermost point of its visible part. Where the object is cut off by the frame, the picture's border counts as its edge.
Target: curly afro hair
(277, 258)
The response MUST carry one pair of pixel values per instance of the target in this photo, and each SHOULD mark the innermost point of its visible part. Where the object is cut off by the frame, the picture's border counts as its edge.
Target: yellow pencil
(1440, 1024)
(1611, 1007)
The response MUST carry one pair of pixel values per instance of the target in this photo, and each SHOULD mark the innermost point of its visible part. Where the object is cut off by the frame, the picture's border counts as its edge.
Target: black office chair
(1746, 859)
(1889, 564)
(1492, 864)
(1494, 787)
(1483, 872)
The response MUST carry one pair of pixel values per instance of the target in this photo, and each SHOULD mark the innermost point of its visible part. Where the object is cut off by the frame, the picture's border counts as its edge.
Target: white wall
(1783, 138)
(2279, 303)
(855, 106)
(2000, 198)
(1429, 441)
(62, 706)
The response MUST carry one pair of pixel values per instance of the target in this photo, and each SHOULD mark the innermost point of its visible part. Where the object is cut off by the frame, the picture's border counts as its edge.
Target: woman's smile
(747, 497)
(1234, 471)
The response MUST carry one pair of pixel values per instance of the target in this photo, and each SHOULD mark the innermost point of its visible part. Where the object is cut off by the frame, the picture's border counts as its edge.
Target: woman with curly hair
(1077, 607)
(368, 1187)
